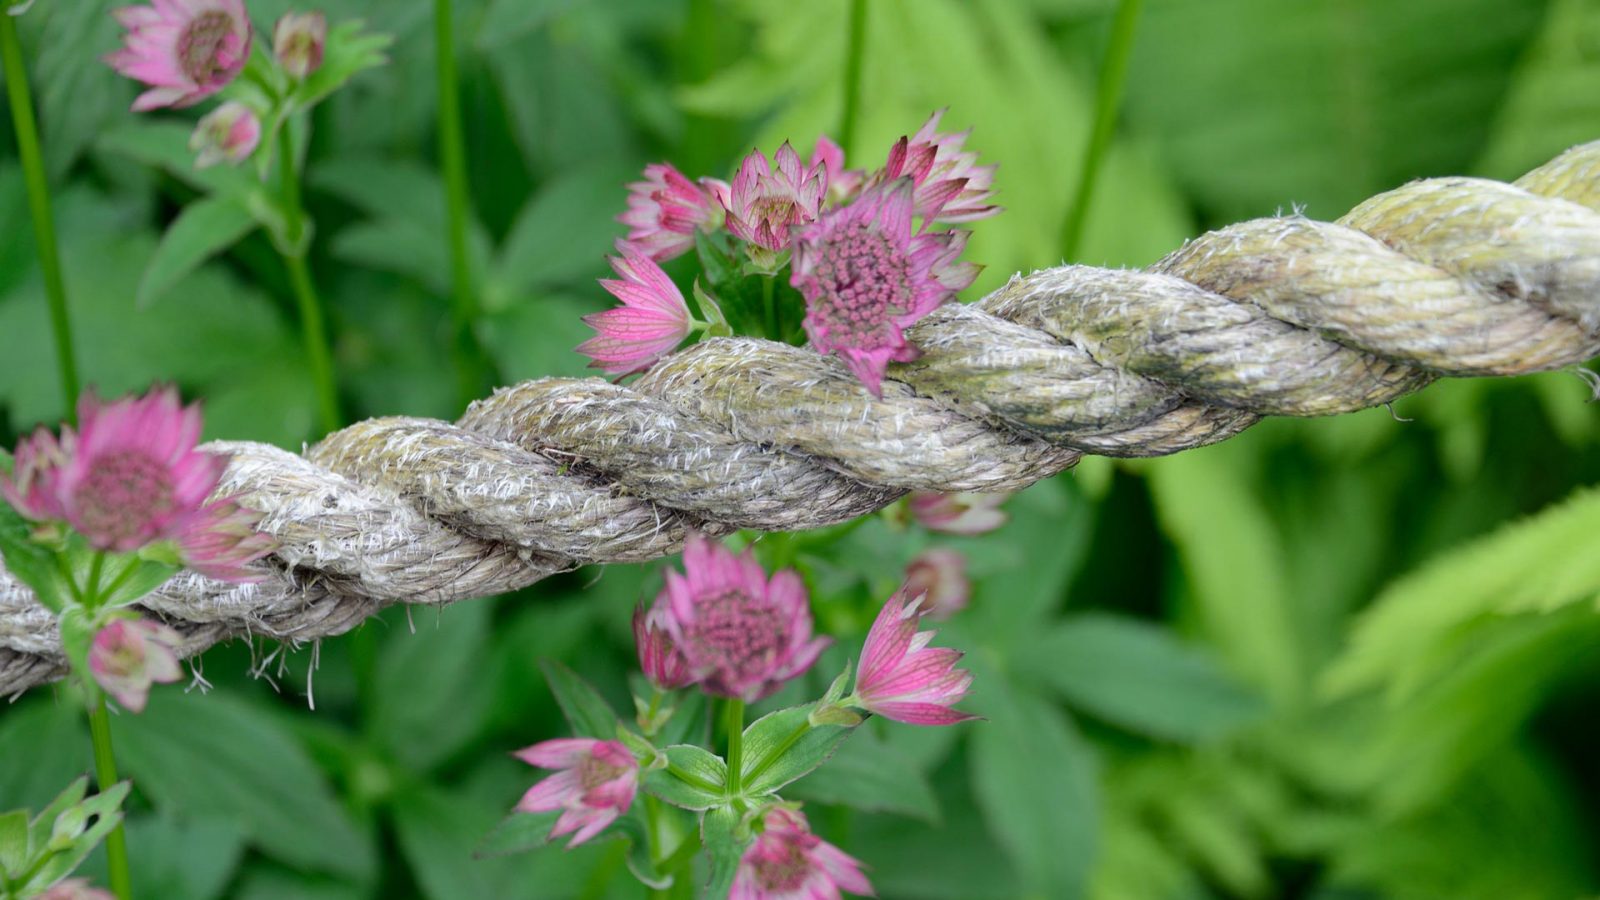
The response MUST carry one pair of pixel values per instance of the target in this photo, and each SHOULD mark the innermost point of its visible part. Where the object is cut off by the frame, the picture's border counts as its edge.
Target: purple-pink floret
(741, 634)
(866, 278)
(659, 657)
(950, 185)
(185, 50)
(594, 783)
(666, 209)
(764, 205)
(651, 322)
(787, 862)
(900, 677)
(127, 656)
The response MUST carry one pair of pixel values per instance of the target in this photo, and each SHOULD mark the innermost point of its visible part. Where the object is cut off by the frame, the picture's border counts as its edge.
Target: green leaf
(1034, 779)
(146, 576)
(782, 746)
(718, 835)
(507, 20)
(214, 756)
(519, 832)
(1138, 676)
(424, 705)
(205, 228)
(179, 859)
(587, 712)
(30, 563)
(43, 826)
(105, 809)
(76, 102)
(348, 51)
(15, 854)
(867, 774)
(164, 144)
(694, 778)
(561, 235)
(41, 722)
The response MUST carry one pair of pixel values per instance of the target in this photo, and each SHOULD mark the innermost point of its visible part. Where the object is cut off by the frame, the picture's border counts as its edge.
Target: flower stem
(105, 767)
(472, 374)
(855, 50)
(44, 228)
(313, 329)
(1113, 74)
(770, 304)
(734, 716)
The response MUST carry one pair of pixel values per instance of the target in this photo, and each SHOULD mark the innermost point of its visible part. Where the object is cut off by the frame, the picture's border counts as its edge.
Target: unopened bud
(298, 40)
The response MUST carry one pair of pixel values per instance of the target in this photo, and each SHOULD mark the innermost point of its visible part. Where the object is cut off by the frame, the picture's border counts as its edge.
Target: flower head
(227, 134)
(741, 634)
(34, 487)
(787, 862)
(651, 322)
(659, 658)
(221, 539)
(185, 50)
(940, 576)
(594, 784)
(866, 278)
(900, 677)
(128, 655)
(950, 185)
(764, 204)
(298, 40)
(666, 208)
(957, 513)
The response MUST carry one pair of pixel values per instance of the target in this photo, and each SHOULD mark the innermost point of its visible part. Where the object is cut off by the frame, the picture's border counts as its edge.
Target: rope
(1279, 316)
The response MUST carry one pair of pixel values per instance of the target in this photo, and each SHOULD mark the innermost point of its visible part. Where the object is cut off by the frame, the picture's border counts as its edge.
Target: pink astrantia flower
(666, 208)
(594, 784)
(659, 658)
(651, 322)
(900, 677)
(34, 486)
(842, 183)
(185, 50)
(940, 575)
(221, 539)
(298, 41)
(958, 513)
(787, 862)
(741, 634)
(127, 656)
(763, 205)
(227, 134)
(950, 185)
(866, 278)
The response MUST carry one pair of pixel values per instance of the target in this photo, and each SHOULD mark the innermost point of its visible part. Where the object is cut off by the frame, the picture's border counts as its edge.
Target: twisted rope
(1280, 316)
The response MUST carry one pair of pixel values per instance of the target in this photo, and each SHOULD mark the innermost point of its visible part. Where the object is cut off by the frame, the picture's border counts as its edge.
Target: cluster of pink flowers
(187, 50)
(866, 268)
(786, 860)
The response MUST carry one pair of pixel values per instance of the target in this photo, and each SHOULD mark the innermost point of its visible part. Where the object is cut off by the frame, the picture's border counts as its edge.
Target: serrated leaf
(586, 711)
(140, 577)
(44, 823)
(562, 234)
(425, 706)
(519, 832)
(866, 774)
(694, 778)
(205, 228)
(717, 836)
(348, 51)
(783, 746)
(1137, 676)
(105, 808)
(14, 850)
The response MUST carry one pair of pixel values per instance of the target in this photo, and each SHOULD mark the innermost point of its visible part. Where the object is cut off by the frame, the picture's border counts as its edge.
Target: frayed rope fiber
(1281, 316)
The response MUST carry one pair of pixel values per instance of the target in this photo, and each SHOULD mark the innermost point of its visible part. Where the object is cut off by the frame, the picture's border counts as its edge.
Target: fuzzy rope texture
(1277, 316)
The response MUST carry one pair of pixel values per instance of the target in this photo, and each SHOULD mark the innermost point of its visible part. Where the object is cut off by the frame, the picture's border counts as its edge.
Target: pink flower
(659, 657)
(227, 134)
(787, 862)
(75, 888)
(764, 205)
(958, 513)
(128, 655)
(940, 577)
(900, 677)
(595, 784)
(842, 183)
(950, 186)
(34, 487)
(866, 278)
(298, 41)
(741, 634)
(652, 321)
(185, 50)
(221, 539)
(665, 209)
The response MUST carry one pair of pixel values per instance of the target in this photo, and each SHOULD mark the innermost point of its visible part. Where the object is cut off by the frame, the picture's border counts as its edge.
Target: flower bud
(227, 134)
(128, 655)
(940, 576)
(298, 40)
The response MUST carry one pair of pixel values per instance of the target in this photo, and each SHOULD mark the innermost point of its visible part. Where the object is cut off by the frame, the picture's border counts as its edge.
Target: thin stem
(471, 366)
(770, 304)
(44, 228)
(313, 328)
(1113, 75)
(734, 712)
(855, 50)
(105, 767)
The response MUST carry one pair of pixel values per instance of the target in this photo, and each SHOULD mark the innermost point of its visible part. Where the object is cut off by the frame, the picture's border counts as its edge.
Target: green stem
(471, 367)
(770, 304)
(44, 228)
(105, 767)
(734, 712)
(313, 327)
(855, 50)
(1113, 75)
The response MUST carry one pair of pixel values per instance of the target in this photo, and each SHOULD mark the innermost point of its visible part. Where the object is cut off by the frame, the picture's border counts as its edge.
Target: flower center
(593, 772)
(865, 284)
(783, 867)
(125, 492)
(200, 44)
(736, 635)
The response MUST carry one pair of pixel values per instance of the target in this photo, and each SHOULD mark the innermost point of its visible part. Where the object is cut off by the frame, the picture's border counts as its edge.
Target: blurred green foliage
(1313, 662)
